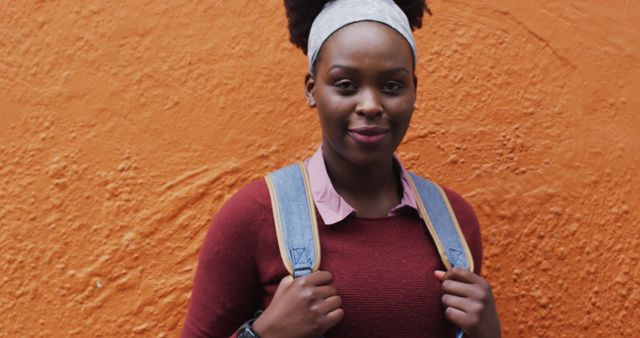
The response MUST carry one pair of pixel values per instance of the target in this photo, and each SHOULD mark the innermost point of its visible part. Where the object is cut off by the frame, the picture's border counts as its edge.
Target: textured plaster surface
(125, 125)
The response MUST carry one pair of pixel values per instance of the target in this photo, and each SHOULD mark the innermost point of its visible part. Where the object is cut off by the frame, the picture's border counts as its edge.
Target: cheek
(330, 124)
(333, 112)
(335, 105)
(403, 110)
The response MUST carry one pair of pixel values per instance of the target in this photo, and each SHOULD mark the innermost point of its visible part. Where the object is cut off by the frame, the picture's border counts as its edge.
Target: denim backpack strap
(441, 221)
(295, 219)
(438, 216)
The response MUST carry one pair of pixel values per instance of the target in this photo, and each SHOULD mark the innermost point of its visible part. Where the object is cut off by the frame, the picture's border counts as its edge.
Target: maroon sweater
(382, 268)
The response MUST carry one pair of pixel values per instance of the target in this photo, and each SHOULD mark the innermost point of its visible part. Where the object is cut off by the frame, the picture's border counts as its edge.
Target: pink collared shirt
(331, 206)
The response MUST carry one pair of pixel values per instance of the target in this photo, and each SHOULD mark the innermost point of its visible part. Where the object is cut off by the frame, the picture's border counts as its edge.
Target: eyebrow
(391, 70)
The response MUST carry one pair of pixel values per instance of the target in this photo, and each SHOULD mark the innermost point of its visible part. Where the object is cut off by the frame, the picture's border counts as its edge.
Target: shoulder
(250, 200)
(240, 216)
(463, 210)
(469, 225)
(226, 287)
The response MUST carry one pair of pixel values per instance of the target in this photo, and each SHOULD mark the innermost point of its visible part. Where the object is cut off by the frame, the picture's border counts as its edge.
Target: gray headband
(339, 13)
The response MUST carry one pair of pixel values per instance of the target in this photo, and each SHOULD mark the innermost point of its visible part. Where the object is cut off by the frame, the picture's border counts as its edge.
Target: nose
(369, 104)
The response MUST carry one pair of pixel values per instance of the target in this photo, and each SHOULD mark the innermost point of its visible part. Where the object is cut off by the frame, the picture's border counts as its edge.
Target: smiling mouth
(368, 134)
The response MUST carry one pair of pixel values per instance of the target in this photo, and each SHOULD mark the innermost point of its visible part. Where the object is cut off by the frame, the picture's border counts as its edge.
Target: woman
(380, 272)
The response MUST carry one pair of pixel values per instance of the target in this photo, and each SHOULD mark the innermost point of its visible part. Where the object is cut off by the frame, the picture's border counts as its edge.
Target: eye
(346, 86)
(392, 87)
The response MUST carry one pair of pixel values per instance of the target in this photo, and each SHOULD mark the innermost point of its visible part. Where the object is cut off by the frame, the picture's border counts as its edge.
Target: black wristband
(246, 330)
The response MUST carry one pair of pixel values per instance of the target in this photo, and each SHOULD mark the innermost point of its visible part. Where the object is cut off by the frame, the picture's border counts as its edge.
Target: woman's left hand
(469, 304)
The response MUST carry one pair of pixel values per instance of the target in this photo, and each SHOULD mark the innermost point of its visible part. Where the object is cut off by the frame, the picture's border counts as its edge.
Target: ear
(415, 91)
(309, 86)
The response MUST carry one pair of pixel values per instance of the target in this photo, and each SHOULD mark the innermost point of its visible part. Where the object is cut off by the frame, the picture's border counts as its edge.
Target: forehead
(365, 44)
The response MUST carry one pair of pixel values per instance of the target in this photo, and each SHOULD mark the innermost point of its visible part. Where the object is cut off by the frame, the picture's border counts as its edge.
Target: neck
(371, 190)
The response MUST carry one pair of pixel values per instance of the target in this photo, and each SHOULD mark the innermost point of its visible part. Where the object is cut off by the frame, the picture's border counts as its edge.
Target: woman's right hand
(305, 307)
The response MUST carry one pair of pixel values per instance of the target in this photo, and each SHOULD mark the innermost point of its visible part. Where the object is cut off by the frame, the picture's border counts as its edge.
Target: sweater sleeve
(469, 226)
(226, 289)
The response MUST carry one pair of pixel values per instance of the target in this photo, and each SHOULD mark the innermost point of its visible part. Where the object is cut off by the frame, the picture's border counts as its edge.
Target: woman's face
(364, 89)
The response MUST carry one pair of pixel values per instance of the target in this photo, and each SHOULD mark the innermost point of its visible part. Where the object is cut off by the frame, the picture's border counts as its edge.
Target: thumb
(440, 275)
(284, 283)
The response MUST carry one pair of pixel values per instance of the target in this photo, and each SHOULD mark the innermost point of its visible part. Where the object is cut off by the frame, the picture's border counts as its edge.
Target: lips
(368, 134)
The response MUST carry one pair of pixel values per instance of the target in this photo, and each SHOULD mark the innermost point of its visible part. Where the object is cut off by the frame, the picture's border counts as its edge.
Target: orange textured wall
(125, 125)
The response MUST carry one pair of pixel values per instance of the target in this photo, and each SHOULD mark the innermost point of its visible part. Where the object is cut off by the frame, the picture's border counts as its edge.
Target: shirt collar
(331, 206)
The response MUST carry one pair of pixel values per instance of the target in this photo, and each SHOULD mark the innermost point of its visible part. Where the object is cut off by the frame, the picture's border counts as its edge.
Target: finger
(462, 275)
(461, 289)
(461, 303)
(318, 278)
(325, 291)
(440, 275)
(331, 319)
(457, 317)
(283, 285)
(286, 280)
(329, 304)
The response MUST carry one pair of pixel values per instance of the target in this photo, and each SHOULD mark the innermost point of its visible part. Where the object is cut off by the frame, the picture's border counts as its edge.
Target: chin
(369, 160)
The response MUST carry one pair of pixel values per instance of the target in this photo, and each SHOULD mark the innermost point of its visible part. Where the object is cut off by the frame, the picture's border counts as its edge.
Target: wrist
(266, 327)
(259, 328)
(247, 330)
(262, 327)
